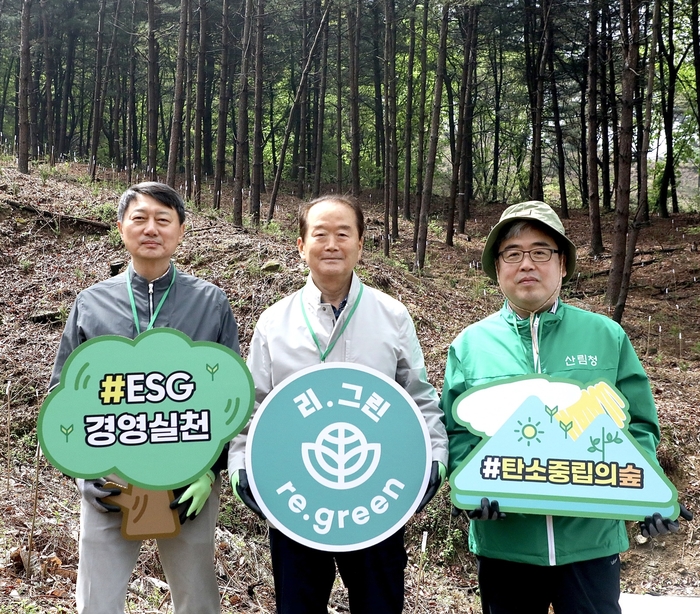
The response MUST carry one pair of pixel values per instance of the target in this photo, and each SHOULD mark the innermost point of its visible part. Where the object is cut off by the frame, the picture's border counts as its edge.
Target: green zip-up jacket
(573, 344)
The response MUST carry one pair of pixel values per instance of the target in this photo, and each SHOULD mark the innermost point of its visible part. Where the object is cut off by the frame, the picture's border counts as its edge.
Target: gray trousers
(107, 561)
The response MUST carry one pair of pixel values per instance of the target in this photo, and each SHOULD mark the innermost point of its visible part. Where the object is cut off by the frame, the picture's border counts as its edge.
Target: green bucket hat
(532, 210)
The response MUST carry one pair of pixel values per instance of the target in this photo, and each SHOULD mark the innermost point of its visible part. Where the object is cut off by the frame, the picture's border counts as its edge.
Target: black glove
(489, 510)
(655, 525)
(93, 492)
(241, 489)
(437, 476)
(455, 511)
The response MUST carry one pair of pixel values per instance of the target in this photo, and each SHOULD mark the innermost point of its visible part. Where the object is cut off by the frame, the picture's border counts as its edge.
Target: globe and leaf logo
(341, 457)
(338, 456)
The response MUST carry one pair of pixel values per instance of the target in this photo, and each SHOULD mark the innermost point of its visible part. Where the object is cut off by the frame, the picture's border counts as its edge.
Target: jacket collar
(312, 295)
(160, 283)
(554, 314)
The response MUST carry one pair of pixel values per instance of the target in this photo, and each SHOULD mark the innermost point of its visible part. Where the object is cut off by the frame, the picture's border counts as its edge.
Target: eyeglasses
(539, 254)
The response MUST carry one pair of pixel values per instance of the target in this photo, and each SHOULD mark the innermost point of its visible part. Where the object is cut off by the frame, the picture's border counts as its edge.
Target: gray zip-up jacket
(194, 307)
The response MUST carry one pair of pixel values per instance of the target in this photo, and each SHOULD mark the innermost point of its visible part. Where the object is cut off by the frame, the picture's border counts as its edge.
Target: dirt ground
(55, 240)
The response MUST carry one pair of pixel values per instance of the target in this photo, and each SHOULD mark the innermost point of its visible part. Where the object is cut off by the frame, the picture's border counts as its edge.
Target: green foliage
(23, 606)
(104, 212)
(113, 237)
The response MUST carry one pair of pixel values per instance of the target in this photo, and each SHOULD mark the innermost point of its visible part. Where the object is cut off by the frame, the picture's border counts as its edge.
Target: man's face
(332, 245)
(530, 286)
(151, 232)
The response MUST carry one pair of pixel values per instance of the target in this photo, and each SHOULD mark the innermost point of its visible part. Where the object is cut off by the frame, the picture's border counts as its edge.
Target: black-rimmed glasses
(539, 254)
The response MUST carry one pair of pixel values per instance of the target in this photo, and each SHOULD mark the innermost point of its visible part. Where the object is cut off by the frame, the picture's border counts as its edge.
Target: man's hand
(242, 492)
(437, 477)
(489, 510)
(653, 526)
(93, 492)
(199, 492)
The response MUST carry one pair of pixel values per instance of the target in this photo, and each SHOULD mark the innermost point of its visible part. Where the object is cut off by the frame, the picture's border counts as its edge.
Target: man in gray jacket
(335, 318)
(151, 221)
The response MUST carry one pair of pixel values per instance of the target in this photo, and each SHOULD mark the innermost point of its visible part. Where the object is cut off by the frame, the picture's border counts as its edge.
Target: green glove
(199, 492)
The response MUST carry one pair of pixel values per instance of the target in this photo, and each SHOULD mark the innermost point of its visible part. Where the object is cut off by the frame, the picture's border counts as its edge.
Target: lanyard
(134, 312)
(322, 355)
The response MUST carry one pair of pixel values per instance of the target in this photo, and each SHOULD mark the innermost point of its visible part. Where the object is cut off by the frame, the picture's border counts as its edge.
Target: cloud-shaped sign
(156, 410)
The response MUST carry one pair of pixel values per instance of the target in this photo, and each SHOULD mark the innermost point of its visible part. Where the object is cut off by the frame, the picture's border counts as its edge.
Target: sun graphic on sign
(529, 432)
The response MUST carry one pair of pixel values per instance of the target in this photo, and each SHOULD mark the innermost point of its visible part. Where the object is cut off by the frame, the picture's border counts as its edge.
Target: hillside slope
(55, 240)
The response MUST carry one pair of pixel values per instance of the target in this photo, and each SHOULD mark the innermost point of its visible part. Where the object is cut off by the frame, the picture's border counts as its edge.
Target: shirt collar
(552, 309)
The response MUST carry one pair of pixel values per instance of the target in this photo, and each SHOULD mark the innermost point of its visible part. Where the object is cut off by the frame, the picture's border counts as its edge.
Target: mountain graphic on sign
(551, 447)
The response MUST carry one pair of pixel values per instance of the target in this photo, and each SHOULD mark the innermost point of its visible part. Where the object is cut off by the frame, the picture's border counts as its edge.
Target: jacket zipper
(534, 335)
(150, 300)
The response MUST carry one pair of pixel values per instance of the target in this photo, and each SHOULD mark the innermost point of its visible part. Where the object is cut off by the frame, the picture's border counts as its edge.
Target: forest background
(477, 101)
(435, 115)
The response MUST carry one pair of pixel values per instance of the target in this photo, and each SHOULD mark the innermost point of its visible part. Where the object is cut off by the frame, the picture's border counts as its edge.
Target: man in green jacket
(527, 562)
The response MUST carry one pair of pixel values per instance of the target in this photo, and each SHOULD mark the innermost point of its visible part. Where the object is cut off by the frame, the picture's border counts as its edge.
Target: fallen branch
(607, 271)
(57, 217)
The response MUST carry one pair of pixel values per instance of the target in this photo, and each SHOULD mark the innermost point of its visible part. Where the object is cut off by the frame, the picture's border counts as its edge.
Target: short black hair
(161, 192)
(332, 198)
(519, 226)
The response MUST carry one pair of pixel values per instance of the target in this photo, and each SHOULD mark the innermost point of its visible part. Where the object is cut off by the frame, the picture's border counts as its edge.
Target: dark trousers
(304, 576)
(586, 587)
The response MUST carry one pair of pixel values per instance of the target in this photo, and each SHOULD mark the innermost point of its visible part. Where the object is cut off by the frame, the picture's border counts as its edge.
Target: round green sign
(338, 456)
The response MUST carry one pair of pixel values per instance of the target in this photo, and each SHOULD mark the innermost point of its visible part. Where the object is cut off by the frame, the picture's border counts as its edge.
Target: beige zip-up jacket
(380, 335)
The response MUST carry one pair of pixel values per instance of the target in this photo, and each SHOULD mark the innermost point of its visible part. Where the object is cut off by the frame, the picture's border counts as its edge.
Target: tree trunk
(339, 106)
(49, 85)
(179, 95)
(605, 46)
(408, 122)
(466, 167)
(197, 172)
(667, 50)
(189, 172)
(354, 14)
(257, 185)
(496, 57)
(536, 179)
(559, 134)
(432, 149)
(464, 23)
(303, 114)
(66, 86)
(321, 114)
(288, 130)
(131, 154)
(592, 121)
(378, 179)
(152, 99)
(391, 202)
(101, 78)
(25, 70)
(695, 32)
(422, 94)
(614, 112)
(629, 34)
(220, 168)
(242, 128)
(643, 205)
